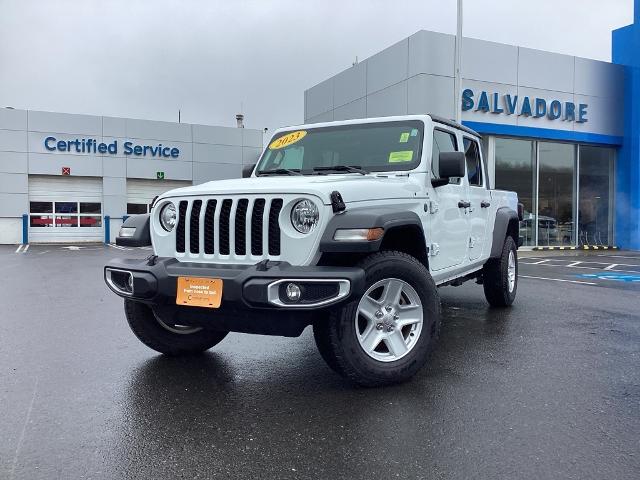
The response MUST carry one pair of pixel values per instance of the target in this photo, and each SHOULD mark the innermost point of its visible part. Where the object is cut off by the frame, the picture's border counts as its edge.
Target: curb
(582, 247)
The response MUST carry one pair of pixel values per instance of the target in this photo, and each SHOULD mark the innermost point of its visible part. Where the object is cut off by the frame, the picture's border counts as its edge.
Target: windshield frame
(398, 167)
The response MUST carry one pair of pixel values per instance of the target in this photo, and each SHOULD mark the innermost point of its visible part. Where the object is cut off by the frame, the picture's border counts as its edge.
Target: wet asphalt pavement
(547, 389)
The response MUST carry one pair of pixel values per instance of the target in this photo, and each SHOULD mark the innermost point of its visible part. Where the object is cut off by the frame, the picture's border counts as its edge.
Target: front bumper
(262, 286)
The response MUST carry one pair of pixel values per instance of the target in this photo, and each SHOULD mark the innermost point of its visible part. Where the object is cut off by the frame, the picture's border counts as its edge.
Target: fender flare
(504, 216)
(142, 234)
(387, 218)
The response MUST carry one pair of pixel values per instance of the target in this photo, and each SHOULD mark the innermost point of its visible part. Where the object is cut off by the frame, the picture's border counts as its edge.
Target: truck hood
(352, 187)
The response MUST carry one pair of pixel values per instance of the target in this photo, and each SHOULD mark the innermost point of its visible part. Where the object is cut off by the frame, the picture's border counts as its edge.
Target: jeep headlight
(168, 217)
(305, 216)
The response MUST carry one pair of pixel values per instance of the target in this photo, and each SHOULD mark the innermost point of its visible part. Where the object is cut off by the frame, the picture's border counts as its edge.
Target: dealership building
(73, 178)
(561, 131)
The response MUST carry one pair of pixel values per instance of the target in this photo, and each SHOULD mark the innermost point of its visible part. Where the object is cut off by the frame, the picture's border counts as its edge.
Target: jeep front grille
(229, 227)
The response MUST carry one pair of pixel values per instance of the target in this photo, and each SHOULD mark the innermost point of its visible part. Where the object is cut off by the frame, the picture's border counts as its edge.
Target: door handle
(485, 204)
(462, 204)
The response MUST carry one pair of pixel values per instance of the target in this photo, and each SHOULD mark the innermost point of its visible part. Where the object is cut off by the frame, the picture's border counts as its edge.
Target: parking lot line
(557, 280)
(573, 264)
(19, 248)
(24, 430)
(612, 266)
(579, 267)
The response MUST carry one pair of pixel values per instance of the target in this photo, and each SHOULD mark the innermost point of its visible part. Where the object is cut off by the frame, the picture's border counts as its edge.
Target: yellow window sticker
(404, 137)
(403, 156)
(288, 139)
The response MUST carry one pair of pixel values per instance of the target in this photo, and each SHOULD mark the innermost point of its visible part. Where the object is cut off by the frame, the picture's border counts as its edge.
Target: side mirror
(450, 165)
(247, 170)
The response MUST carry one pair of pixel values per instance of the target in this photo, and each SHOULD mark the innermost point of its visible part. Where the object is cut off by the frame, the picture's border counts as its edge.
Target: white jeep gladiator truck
(348, 226)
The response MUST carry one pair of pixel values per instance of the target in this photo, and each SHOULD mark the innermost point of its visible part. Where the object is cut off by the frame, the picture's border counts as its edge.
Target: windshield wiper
(279, 171)
(342, 168)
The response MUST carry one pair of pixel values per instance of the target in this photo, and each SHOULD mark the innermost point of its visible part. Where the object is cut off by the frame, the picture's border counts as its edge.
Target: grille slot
(209, 228)
(229, 227)
(256, 227)
(194, 227)
(225, 214)
(180, 228)
(274, 227)
(241, 227)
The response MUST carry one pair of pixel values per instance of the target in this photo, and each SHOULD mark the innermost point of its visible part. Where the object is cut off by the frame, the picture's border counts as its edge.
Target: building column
(626, 45)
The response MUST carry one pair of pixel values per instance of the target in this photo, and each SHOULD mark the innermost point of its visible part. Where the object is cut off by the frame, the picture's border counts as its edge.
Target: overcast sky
(148, 59)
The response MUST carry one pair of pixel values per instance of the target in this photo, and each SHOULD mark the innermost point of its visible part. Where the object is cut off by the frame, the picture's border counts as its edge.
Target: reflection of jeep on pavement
(346, 226)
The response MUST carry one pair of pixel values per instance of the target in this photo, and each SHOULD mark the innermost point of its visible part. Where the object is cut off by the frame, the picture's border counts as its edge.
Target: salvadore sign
(508, 104)
(91, 145)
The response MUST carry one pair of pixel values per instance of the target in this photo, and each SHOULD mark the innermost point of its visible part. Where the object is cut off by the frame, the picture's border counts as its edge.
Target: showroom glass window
(556, 193)
(515, 171)
(595, 218)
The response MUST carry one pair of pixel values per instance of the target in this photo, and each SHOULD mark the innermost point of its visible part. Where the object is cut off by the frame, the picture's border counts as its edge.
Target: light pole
(458, 67)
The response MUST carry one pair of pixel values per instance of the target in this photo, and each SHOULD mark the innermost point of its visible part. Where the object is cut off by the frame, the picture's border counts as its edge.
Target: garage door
(140, 193)
(65, 209)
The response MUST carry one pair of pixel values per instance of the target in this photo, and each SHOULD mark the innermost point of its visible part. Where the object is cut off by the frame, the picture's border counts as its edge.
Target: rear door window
(474, 164)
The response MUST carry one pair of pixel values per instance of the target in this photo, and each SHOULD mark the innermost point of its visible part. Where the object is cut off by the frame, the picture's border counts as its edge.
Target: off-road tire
(336, 336)
(149, 331)
(495, 279)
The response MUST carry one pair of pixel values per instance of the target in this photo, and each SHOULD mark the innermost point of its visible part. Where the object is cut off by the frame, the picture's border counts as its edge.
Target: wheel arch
(403, 232)
(506, 224)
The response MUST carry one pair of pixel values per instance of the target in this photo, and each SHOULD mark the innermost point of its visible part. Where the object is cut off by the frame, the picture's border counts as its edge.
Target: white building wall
(416, 75)
(206, 153)
(13, 168)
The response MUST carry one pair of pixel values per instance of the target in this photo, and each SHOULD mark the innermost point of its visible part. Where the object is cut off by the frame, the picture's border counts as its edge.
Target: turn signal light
(358, 234)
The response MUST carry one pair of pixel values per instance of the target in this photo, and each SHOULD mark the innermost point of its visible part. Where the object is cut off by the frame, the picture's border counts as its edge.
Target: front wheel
(384, 336)
(500, 276)
(167, 338)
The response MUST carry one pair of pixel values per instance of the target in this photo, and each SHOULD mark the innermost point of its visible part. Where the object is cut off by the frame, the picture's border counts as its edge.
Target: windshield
(369, 147)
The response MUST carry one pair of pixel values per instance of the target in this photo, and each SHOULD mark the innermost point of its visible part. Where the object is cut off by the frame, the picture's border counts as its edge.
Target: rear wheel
(500, 276)
(385, 335)
(165, 337)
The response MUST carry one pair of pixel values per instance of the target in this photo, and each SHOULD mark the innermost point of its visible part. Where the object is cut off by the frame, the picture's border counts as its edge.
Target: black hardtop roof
(451, 123)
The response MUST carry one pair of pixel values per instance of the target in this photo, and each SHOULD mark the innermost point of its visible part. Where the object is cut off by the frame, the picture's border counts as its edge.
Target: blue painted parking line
(619, 277)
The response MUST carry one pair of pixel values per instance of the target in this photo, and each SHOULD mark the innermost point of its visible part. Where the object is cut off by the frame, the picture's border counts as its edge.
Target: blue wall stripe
(543, 133)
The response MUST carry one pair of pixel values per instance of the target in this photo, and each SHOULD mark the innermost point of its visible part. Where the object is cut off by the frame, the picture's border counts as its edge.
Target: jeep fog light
(305, 216)
(358, 234)
(293, 292)
(168, 217)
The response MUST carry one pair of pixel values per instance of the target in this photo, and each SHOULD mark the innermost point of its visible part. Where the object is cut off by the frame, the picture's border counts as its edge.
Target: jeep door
(449, 223)
(479, 198)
